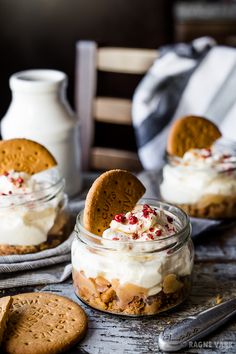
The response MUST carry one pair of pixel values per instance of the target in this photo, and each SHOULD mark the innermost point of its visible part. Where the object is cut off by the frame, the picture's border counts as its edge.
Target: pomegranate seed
(158, 232)
(226, 156)
(119, 218)
(151, 229)
(150, 236)
(6, 173)
(135, 236)
(145, 213)
(146, 206)
(169, 219)
(20, 180)
(133, 220)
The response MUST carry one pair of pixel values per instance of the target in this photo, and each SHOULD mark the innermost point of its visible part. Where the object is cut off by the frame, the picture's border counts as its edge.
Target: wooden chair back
(91, 109)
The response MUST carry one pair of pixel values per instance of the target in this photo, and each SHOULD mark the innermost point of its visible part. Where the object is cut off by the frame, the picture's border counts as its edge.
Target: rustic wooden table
(214, 278)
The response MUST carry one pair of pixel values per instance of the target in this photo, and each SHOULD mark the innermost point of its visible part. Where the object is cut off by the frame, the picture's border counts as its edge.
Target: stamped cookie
(113, 192)
(43, 323)
(5, 303)
(191, 132)
(23, 155)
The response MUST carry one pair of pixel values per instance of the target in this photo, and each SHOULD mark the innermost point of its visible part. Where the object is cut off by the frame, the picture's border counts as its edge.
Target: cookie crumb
(218, 299)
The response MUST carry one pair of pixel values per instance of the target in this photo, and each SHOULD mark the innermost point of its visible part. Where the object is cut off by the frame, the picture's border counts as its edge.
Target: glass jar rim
(180, 234)
(43, 194)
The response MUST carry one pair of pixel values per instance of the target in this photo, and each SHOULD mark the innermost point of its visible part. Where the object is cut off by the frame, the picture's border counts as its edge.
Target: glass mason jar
(134, 278)
(34, 221)
(203, 181)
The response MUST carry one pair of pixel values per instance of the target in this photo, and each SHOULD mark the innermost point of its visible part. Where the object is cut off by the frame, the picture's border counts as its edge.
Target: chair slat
(125, 60)
(107, 158)
(85, 86)
(112, 110)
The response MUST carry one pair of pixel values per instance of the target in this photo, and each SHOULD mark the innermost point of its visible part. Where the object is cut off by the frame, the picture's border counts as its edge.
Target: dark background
(43, 34)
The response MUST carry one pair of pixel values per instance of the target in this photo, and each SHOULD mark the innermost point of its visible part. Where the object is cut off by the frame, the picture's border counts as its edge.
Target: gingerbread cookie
(43, 323)
(191, 132)
(113, 192)
(5, 303)
(23, 155)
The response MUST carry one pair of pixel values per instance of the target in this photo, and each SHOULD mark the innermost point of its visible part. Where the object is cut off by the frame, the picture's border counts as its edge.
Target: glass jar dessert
(141, 265)
(203, 181)
(33, 211)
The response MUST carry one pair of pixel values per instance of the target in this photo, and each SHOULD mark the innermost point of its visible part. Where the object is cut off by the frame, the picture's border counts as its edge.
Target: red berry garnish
(5, 173)
(119, 217)
(145, 213)
(20, 180)
(146, 206)
(115, 238)
(134, 236)
(133, 220)
(169, 219)
(158, 232)
(150, 236)
(151, 229)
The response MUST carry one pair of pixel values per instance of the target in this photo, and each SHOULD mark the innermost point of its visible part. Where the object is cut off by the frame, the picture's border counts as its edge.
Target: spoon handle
(178, 336)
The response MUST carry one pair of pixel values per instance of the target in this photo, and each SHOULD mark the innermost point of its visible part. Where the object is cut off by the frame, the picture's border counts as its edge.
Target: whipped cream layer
(200, 172)
(133, 259)
(25, 219)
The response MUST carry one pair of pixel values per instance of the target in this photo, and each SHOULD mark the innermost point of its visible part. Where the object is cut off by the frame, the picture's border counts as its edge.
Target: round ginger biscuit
(24, 155)
(113, 192)
(191, 132)
(43, 323)
(5, 303)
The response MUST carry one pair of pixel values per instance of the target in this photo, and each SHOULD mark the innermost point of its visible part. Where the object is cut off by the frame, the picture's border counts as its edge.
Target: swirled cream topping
(13, 182)
(143, 223)
(210, 159)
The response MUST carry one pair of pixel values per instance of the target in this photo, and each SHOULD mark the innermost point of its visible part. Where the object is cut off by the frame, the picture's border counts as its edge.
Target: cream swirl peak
(143, 223)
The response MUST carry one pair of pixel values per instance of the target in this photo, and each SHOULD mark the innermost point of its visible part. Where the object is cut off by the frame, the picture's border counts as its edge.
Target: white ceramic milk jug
(39, 111)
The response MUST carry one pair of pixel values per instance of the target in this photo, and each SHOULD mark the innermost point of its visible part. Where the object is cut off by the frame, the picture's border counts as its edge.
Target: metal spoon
(178, 336)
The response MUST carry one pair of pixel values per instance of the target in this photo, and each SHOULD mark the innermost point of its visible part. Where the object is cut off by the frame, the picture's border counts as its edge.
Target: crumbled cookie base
(174, 291)
(59, 232)
(212, 207)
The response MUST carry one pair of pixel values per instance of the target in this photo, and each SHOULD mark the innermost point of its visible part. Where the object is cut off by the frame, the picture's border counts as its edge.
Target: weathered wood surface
(214, 274)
